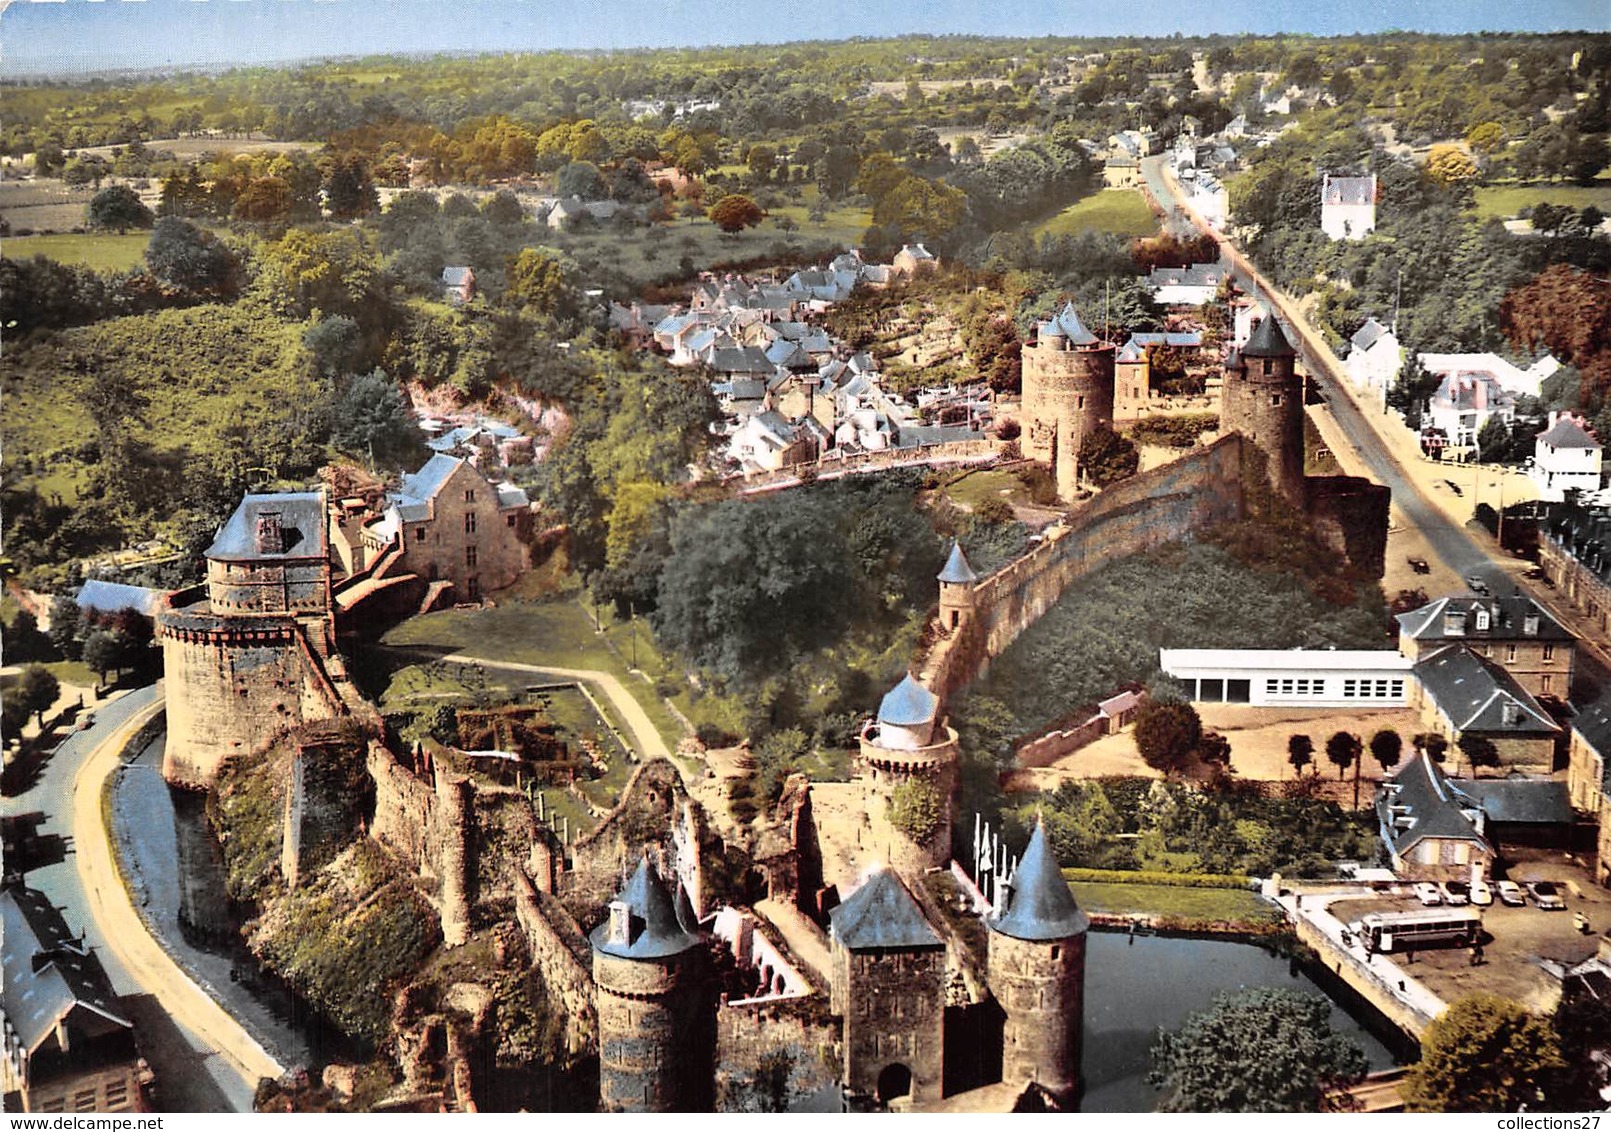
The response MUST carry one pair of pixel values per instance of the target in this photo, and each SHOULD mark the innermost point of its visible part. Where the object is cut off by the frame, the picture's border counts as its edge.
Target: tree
(374, 417)
(1342, 749)
(348, 191)
(38, 687)
(543, 281)
(187, 257)
(1486, 137)
(1258, 1050)
(102, 653)
(1386, 747)
(1493, 440)
(66, 621)
(118, 208)
(735, 212)
(1450, 166)
(1106, 457)
(1167, 734)
(266, 200)
(1435, 745)
(1482, 1054)
(13, 713)
(1300, 752)
(580, 179)
(1479, 750)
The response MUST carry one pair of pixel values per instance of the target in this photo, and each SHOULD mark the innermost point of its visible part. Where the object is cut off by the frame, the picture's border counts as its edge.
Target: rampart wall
(1161, 506)
(562, 957)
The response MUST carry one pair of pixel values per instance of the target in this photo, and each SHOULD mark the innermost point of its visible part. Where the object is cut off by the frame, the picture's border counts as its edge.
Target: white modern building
(1318, 678)
(1566, 457)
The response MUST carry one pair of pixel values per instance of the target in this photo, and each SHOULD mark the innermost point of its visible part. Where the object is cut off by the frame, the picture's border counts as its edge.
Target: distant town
(936, 574)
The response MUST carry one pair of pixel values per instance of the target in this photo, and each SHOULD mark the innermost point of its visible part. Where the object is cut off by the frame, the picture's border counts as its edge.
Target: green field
(102, 252)
(1505, 201)
(1235, 905)
(974, 488)
(1122, 212)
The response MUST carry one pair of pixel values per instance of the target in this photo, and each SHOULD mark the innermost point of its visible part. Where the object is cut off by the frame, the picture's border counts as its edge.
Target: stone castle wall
(1041, 987)
(1068, 393)
(558, 949)
(752, 1037)
(656, 1047)
(1148, 510)
(893, 1003)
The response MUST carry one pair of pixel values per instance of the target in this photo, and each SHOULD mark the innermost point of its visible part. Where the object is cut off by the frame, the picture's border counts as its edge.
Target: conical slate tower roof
(1268, 341)
(957, 568)
(654, 932)
(908, 704)
(1067, 323)
(1040, 905)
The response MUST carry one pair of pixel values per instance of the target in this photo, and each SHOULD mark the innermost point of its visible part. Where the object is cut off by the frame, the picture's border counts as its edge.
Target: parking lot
(1515, 938)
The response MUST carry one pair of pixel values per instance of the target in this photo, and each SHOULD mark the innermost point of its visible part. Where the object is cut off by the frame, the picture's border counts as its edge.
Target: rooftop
(1507, 619)
(1040, 905)
(882, 914)
(653, 930)
(48, 972)
(1267, 340)
(908, 704)
(1478, 695)
(1419, 802)
(301, 522)
(957, 570)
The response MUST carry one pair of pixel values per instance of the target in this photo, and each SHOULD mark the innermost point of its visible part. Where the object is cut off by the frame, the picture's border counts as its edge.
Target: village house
(914, 260)
(1566, 457)
(69, 1044)
(1188, 286)
(458, 285)
(1374, 359)
(1432, 829)
(1464, 402)
(1132, 370)
(1208, 195)
(1588, 781)
(1512, 632)
(1348, 206)
(767, 442)
(1510, 378)
(1574, 552)
(1121, 171)
(1460, 693)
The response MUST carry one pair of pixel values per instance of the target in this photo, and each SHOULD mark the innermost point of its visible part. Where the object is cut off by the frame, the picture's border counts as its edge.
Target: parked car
(1546, 896)
(1420, 565)
(1428, 893)
(1481, 894)
(1455, 892)
(1510, 893)
(1478, 586)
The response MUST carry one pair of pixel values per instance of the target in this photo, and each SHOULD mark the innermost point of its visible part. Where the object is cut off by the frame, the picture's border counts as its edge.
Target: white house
(1464, 402)
(1209, 198)
(1191, 286)
(1348, 206)
(1566, 457)
(1529, 381)
(1319, 678)
(1374, 358)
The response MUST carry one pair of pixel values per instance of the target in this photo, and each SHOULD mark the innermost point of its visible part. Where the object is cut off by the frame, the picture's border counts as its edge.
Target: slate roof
(743, 359)
(1522, 801)
(1593, 723)
(114, 597)
(1040, 905)
(1185, 339)
(908, 704)
(425, 483)
(302, 526)
(655, 932)
(957, 569)
(882, 914)
(1190, 275)
(1066, 322)
(1567, 433)
(1473, 693)
(1349, 190)
(1368, 335)
(36, 995)
(511, 496)
(457, 276)
(1507, 619)
(1268, 341)
(1420, 802)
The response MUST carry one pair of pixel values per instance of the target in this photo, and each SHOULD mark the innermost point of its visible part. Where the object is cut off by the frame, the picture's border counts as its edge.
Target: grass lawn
(974, 488)
(103, 252)
(559, 633)
(1234, 904)
(1120, 211)
(1506, 200)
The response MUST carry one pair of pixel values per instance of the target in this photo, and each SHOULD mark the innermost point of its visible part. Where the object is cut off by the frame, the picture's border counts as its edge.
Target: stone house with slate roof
(1432, 828)
(1460, 693)
(1515, 633)
(455, 525)
(1588, 780)
(1574, 552)
(1348, 206)
(69, 1044)
(458, 285)
(1566, 457)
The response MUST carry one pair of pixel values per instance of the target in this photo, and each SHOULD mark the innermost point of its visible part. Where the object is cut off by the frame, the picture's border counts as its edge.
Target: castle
(1069, 389)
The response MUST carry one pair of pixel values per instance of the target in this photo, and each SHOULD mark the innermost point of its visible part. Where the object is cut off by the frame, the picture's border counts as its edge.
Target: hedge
(1176, 880)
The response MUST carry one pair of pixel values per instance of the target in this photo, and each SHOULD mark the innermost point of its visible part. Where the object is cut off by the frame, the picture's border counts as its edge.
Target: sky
(79, 36)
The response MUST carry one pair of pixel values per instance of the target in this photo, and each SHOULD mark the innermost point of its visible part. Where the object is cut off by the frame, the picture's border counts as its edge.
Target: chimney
(270, 539)
(620, 922)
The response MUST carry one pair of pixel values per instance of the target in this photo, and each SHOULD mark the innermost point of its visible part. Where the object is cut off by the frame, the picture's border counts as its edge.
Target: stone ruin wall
(1148, 510)
(562, 956)
(800, 1029)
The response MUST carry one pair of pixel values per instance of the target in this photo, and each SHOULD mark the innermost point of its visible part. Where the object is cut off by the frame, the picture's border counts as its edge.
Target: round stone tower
(1262, 399)
(904, 754)
(1036, 970)
(652, 1008)
(1068, 392)
(957, 581)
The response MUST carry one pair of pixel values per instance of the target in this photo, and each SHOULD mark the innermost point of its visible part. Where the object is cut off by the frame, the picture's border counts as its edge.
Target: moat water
(1137, 985)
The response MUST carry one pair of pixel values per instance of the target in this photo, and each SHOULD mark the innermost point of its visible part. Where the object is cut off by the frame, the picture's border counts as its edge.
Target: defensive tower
(1068, 393)
(957, 581)
(1263, 400)
(1037, 973)
(907, 761)
(656, 1023)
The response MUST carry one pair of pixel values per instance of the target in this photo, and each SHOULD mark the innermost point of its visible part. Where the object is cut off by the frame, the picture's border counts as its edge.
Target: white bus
(1387, 931)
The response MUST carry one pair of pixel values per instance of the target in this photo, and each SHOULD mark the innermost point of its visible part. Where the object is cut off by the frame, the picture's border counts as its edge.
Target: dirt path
(126, 934)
